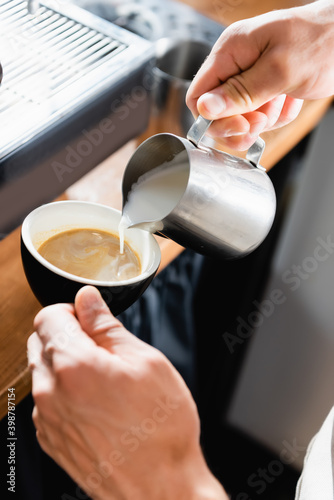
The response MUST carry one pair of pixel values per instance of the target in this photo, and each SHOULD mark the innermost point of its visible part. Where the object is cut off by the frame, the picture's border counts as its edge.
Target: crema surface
(91, 254)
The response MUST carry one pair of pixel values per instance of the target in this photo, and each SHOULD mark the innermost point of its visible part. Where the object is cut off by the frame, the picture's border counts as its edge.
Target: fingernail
(214, 103)
(233, 133)
(91, 297)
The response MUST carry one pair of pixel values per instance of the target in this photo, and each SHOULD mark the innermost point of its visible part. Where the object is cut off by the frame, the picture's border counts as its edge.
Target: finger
(39, 364)
(274, 114)
(43, 427)
(60, 332)
(232, 53)
(82, 465)
(290, 111)
(256, 124)
(231, 126)
(97, 320)
(66, 446)
(57, 454)
(245, 91)
(44, 441)
(35, 353)
(238, 142)
(63, 442)
(43, 384)
(37, 421)
(205, 80)
(273, 110)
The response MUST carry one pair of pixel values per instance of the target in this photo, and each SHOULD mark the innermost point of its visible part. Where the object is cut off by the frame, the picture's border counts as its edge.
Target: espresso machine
(73, 91)
(76, 87)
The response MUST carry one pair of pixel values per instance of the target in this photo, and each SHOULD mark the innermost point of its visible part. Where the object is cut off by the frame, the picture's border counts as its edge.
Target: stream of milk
(155, 195)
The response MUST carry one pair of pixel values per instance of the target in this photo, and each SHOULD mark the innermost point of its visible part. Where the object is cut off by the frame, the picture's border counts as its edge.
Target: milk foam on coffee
(154, 195)
(91, 254)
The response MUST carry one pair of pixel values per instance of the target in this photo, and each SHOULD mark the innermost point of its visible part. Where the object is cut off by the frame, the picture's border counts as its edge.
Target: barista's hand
(111, 410)
(260, 69)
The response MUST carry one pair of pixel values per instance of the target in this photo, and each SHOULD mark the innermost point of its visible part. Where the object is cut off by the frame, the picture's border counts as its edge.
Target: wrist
(192, 480)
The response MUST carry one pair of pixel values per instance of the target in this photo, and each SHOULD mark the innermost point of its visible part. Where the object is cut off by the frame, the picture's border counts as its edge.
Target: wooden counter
(18, 306)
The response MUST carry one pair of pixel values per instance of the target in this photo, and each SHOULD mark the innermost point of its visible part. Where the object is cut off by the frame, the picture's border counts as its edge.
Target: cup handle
(201, 125)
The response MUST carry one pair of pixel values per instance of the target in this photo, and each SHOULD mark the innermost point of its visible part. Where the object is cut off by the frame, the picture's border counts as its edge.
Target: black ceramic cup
(52, 285)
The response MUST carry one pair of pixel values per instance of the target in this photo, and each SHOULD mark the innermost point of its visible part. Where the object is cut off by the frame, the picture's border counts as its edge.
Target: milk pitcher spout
(202, 198)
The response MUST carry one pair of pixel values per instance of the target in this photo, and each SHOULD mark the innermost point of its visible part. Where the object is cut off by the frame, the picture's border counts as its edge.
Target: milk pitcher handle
(198, 130)
(201, 125)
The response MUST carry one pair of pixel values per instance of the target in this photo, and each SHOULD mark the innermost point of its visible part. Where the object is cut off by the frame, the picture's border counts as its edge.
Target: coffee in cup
(50, 225)
(91, 253)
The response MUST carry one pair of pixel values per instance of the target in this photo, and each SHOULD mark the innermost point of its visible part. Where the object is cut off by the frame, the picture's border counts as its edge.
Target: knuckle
(239, 143)
(236, 29)
(68, 371)
(41, 398)
(126, 380)
(44, 408)
(231, 38)
(280, 66)
(35, 417)
(154, 363)
(39, 318)
(237, 90)
(48, 351)
(191, 102)
(74, 375)
(288, 23)
(44, 313)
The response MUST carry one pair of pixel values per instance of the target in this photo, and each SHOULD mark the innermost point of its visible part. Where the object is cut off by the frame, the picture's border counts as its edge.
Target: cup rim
(165, 45)
(27, 241)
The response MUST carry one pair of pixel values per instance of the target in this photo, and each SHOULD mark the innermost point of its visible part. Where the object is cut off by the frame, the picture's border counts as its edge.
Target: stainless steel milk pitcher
(228, 203)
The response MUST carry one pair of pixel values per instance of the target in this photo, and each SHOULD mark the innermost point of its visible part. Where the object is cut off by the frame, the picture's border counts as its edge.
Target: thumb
(245, 91)
(97, 321)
